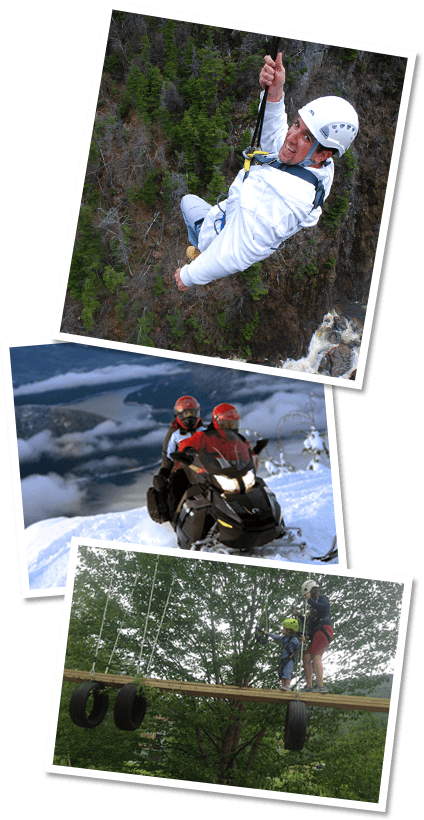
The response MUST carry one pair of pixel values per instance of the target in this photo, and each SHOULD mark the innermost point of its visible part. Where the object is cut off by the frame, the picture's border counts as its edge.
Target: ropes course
(131, 704)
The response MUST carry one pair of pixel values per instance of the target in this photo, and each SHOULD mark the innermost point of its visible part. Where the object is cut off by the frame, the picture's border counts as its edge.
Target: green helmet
(290, 623)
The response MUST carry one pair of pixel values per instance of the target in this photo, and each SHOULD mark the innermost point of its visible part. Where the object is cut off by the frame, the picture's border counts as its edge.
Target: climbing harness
(272, 160)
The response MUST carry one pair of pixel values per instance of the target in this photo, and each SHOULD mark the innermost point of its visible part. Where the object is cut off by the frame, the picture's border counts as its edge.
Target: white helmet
(333, 122)
(308, 585)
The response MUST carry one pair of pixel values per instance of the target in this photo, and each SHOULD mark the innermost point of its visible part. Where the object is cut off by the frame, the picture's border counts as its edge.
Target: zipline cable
(122, 621)
(147, 616)
(303, 640)
(93, 667)
(162, 619)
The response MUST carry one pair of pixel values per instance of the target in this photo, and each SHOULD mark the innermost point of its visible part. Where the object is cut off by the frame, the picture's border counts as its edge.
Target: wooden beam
(206, 690)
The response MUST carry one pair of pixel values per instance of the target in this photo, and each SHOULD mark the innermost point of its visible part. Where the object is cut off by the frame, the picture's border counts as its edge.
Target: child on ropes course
(290, 645)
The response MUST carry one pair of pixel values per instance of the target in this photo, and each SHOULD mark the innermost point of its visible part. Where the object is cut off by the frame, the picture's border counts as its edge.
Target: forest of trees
(208, 635)
(177, 105)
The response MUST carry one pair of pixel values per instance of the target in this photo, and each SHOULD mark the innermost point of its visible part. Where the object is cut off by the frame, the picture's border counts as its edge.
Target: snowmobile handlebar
(260, 445)
(186, 456)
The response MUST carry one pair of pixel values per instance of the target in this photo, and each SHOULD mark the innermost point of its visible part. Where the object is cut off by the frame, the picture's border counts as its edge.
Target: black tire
(295, 726)
(130, 707)
(78, 704)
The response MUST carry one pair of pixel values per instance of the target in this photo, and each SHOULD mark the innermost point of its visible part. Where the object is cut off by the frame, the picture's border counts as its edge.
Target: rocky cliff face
(175, 105)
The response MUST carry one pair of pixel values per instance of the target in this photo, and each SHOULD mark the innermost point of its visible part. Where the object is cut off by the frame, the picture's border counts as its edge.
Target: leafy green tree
(207, 635)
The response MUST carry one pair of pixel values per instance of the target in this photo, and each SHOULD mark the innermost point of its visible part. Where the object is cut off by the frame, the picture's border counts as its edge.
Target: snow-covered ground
(305, 496)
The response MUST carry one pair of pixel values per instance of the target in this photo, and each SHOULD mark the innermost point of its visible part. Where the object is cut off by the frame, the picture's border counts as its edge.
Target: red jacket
(211, 440)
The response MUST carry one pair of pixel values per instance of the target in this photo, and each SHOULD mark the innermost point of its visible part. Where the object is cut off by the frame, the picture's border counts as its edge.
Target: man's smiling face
(297, 144)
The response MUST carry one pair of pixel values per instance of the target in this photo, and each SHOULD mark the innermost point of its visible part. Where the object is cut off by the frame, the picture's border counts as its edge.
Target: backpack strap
(307, 176)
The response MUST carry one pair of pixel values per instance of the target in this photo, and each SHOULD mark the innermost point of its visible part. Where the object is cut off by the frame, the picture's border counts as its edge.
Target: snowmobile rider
(267, 206)
(290, 645)
(186, 420)
(319, 632)
(222, 435)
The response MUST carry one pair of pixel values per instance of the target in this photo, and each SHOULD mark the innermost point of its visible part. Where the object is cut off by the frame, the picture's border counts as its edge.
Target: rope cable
(302, 642)
(259, 122)
(103, 620)
(161, 622)
(122, 621)
(147, 616)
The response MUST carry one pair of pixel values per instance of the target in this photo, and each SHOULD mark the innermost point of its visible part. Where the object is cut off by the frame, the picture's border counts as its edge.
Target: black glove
(159, 482)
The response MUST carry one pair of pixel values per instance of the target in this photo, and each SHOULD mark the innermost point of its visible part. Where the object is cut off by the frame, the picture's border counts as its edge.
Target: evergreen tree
(89, 252)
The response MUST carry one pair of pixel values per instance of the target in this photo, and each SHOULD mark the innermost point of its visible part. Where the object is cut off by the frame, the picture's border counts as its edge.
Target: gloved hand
(159, 482)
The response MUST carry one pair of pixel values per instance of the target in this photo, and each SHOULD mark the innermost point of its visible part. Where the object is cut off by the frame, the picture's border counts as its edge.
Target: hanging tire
(78, 704)
(295, 726)
(130, 707)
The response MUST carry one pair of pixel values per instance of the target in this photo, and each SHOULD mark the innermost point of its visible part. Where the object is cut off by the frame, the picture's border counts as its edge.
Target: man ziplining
(279, 196)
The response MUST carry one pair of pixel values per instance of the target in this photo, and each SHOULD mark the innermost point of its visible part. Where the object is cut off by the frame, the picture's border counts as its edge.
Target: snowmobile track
(212, 544)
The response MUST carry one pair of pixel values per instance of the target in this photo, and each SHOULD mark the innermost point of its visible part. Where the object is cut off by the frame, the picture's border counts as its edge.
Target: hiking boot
(307, 689)
(322, 689)
(285, 688)
(192, 253)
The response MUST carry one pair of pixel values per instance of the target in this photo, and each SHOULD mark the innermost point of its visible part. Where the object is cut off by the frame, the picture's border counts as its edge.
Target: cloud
(272, 417)
(50, 496)
(104, 375)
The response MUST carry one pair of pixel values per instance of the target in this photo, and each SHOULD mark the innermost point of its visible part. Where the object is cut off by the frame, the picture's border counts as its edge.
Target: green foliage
(89, 300)
(89, 252)
(349, 164)
(121, 304)
(349, 54)
(113, 279)
(254, 282)
(176, 322)
(334, 212)
(216, 187)
(200, 333)
(145, 325)
(248, 330)
(159, 286)
(150, 188)
(308, 269)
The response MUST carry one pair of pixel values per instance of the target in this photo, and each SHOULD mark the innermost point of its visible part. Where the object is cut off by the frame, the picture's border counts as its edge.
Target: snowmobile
(227, 507)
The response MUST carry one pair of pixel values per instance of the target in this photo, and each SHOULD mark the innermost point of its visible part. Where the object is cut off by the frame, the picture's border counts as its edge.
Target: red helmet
(226, 417)
(187, 412)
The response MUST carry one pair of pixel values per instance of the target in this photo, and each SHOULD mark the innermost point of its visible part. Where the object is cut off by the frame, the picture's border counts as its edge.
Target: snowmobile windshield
(227, 454)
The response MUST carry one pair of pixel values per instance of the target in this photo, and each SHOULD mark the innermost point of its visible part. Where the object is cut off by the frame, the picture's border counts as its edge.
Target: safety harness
(264, 158)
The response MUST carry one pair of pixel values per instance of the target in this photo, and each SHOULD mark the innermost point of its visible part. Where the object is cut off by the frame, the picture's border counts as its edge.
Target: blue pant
(194, 210)
(286, 668)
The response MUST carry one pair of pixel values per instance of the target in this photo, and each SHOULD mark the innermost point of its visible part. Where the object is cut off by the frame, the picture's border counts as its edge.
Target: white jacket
(178, 436)
(261, 212)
